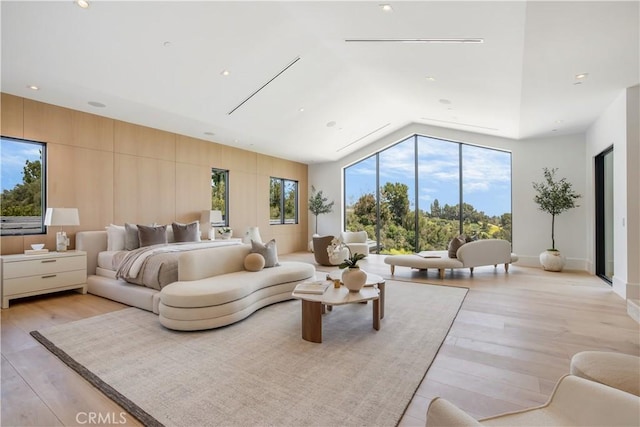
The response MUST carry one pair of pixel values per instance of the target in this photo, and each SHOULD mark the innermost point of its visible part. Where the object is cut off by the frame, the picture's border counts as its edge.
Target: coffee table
(313, 307)
(373, 280)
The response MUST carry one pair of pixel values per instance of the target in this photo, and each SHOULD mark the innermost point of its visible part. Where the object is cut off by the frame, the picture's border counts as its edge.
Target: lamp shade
(210, 217)
(61, 216)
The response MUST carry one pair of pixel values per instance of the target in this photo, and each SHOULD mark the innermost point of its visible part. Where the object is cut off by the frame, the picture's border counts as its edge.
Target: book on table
(316, 287)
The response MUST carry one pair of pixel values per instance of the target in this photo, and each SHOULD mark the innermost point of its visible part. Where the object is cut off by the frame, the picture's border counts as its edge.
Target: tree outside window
(22, 200)
(220, 194)
(283, 201)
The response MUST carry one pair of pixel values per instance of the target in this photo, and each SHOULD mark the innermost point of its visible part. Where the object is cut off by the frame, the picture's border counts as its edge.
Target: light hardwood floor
(512, 339)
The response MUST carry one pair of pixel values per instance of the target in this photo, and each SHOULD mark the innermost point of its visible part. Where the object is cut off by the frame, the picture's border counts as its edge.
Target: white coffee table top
(341, 295)
(372, 279)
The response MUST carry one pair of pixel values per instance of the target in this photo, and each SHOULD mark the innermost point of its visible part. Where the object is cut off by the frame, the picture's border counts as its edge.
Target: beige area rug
(259, 371)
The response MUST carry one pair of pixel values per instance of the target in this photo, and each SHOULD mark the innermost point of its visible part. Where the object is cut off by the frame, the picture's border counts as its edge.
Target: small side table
(373, 280)
(28, 275)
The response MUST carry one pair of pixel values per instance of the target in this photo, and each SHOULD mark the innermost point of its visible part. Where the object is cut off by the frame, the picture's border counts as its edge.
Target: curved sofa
(214, 289)
(473, 254)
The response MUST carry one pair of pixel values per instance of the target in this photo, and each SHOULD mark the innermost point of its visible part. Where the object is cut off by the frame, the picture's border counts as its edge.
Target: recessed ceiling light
(431, 78)
(33, 87)
(96, 104)
(577, 83)
(166, 44)
(209, 133)
(445, 101)
(82, 3)
(582, 76)
(301, 109)
(559, 121)
(386, 7)
(225, 72)
(331, 124)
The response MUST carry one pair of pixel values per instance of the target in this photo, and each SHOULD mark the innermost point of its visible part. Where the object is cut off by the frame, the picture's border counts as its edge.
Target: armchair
(356, 241)
(574, 402)
(320, 245)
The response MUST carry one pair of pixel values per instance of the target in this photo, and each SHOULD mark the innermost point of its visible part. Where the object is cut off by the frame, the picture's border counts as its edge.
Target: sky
(13, 155)
(486, 175)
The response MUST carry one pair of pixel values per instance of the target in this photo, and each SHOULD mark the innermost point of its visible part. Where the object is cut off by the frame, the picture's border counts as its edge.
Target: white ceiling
(519, 83)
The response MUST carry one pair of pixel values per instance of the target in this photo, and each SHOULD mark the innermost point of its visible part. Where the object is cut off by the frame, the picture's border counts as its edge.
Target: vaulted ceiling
(298, 89)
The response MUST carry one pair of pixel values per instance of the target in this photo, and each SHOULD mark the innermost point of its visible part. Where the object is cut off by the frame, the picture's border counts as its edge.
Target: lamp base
(61, 241)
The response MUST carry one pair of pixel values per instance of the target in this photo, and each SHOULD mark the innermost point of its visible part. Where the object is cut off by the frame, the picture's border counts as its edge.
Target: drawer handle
(49, 276)
(49, 260)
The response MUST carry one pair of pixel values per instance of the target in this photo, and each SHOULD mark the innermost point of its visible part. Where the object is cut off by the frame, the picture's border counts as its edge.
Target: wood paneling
(114, 171)
(144, 190)
(142, 141)
(12, 116)
(47, 123)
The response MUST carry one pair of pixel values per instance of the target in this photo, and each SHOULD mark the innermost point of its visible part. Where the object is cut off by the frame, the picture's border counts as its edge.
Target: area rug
(259, 371)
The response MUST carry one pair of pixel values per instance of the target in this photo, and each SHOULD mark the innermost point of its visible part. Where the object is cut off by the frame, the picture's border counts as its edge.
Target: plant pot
(552, 260)
(354, 278)
(225, 236)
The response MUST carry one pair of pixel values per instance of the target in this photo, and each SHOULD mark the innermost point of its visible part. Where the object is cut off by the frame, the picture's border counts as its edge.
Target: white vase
(354, 278)
(552, 260)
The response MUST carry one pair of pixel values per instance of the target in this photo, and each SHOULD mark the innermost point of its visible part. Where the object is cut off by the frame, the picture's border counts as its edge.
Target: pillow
(455, 244)
(254, 262)
(268, 251)
(115, 237)
(131, 240)
(150, 235)
(186, 232)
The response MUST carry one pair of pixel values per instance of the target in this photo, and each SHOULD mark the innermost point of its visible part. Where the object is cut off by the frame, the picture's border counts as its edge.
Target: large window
(283, 201)
(220, 194)
(22, 201)
(408, 197)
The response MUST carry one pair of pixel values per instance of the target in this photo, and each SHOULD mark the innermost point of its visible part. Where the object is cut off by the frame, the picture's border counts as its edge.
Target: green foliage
(352, 261)
(554, 197)
(318, 204)
(24, 199)
(218, 190)
(397, 226)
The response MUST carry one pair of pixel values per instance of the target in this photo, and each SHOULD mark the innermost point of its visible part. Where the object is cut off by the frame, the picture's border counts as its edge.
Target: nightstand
(27, 275)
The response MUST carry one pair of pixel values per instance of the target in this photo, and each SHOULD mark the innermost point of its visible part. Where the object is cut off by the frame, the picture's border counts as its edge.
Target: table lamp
(61, 217)
(208, 219)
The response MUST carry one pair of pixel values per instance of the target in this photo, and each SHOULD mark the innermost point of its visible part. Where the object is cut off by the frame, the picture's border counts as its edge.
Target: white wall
(531, 227)
(618, 126)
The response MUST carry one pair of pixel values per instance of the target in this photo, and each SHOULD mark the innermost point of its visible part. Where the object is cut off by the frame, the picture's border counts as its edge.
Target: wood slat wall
(116, 172)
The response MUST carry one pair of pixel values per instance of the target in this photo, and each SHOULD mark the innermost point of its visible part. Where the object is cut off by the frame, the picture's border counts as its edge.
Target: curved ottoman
(220, 300)
(617, 370)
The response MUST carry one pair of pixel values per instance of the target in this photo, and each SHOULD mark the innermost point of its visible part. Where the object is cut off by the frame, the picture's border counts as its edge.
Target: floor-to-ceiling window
(604, 214)
(414, 189)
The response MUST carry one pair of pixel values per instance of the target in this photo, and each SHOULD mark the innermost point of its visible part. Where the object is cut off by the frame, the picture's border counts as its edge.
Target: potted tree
(554, 196)
(318, 205)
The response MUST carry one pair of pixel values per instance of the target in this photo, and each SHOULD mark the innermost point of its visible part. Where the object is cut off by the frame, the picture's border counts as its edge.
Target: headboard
(92, 242)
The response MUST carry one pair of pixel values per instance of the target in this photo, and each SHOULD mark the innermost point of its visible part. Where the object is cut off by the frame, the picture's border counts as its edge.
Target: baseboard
(633, 309)
(579, 264)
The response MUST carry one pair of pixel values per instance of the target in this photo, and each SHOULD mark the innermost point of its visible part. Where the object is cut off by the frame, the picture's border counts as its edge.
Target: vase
(552, 260)
(226, 236)
(354, 278)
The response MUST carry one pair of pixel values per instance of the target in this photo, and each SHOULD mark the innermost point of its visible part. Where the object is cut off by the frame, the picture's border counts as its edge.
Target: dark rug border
(441, 344)
(133, 409)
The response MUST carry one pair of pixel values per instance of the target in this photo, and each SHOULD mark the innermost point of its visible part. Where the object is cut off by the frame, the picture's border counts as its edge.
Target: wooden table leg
(381, 288)
(376, 314)
(312, 321)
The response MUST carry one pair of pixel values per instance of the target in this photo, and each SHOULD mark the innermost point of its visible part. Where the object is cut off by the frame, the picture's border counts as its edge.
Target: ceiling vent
(418, 40)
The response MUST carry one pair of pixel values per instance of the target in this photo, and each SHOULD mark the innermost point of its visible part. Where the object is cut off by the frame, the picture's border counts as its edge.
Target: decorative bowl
(37, 246)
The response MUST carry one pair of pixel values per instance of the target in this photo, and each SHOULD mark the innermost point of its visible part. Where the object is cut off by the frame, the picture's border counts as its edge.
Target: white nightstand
(27, 275)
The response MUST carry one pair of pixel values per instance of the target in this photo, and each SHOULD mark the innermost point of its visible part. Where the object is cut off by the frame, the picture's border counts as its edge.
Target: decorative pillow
(131, 240)
(268, 251)
(455, 244)
(150, 235)
(254, 262)
(115, 237)
(186, 232)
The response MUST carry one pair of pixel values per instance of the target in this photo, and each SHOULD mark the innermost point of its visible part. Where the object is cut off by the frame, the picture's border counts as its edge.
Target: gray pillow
(268, 251)
(186, 232)
(455, 244)
(131, 240)
(150, 235)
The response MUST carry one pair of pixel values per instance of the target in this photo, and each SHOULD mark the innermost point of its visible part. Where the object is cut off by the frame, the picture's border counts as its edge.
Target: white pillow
(115, 237)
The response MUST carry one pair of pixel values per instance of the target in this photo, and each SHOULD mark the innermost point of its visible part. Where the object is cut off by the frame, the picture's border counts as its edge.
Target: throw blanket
(156, 266)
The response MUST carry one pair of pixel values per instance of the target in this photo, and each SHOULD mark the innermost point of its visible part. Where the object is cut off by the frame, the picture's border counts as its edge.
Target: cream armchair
(574, 402)
(356, 241)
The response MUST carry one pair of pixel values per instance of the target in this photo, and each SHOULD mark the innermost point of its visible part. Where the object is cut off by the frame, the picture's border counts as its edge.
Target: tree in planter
(318, 205)
(554, 197)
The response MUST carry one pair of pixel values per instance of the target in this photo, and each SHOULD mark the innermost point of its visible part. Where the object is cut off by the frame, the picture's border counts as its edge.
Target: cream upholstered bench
(469, 255)
(617, 370)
